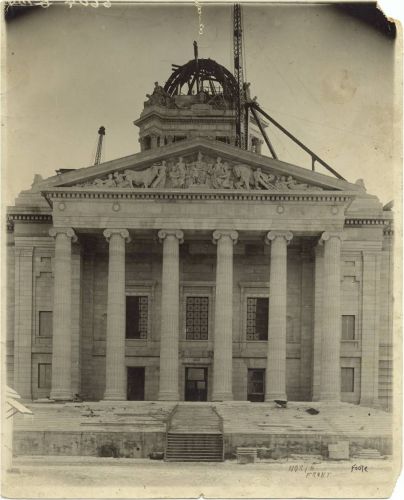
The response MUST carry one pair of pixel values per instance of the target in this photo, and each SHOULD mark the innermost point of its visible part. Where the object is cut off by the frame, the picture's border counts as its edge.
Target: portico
(260, 219)
(218, 289)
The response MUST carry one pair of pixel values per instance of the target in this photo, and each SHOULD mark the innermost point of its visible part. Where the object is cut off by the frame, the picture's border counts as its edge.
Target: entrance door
(256, 385)
(196, 384)
(135, 383)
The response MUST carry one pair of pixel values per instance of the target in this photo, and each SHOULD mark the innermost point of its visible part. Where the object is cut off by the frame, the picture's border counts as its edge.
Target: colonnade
(223, 333)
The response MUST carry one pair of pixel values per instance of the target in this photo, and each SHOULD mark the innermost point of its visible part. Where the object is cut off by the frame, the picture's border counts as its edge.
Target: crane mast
(240, 104)
(101, 134)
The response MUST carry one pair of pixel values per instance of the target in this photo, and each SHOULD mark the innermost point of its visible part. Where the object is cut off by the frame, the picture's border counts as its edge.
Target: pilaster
(330, 384)
(370, 328)
(318, 320)
(23, 320)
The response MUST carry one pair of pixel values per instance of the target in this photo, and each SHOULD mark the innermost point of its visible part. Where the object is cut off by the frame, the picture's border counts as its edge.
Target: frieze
(199, 173)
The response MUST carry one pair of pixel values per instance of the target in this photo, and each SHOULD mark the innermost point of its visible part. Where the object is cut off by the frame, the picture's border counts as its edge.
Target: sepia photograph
(201, 249)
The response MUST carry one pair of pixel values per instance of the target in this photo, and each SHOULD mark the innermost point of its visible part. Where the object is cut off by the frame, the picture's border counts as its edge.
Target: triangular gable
(197, 164)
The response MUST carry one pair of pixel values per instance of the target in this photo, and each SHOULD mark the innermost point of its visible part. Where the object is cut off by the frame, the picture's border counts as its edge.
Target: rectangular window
(257, 318)
(197, 318)
(256, 385)
(348, 327)
(45, 323)
(137, 316)
(44, 375)
(347, 379)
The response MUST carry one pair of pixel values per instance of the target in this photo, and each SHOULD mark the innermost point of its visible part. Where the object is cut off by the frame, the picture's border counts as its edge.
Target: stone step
(194, 447)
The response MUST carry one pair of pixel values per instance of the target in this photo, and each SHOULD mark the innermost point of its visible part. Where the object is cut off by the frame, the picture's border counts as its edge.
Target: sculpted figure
(178, 173)
(293, 184)
(159, 96)
(262, 180)
(281, 182)
(191, 175)
(109, 182)
(244, 175)
(221, 174)
(160, 180)
(143, 178)
(201, 168)
(120, 180)
(98, 182)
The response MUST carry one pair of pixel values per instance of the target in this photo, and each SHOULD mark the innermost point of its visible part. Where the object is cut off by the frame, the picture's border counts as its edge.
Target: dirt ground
(90, 477)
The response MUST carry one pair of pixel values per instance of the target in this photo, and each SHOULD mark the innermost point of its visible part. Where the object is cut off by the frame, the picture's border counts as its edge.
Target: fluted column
(115, 371)
(62, 312)
(223, 341)
(168, 389)
(330, 383)
(275, 387)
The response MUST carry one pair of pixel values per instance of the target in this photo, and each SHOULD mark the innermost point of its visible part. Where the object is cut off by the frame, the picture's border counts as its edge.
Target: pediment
(197, 164)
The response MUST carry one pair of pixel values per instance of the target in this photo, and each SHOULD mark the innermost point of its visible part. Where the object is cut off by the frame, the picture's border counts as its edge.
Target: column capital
(163, 233)
(272, 235)
(327, 235)
(67, 231)
(124, 233)
(219, 233)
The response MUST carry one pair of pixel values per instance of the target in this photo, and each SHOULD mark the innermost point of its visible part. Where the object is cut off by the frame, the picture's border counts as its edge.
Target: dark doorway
(256, 385)
(135, 383)
(196, 384)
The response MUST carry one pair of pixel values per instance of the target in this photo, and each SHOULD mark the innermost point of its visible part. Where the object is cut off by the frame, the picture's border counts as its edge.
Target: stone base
(169, 396)
(61, 395)
(114, 396)
(272, 396)
(330, 397)
(222, 396)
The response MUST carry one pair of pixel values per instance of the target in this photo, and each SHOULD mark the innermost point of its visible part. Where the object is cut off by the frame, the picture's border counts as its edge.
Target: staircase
(194, 434)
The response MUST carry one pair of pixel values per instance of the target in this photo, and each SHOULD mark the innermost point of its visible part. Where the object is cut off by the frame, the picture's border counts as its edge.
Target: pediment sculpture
(201, 172)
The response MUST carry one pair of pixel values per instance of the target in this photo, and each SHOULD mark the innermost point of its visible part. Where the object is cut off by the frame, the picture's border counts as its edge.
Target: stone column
(330, 383)
(170, 308)
(223, 340)
(275, 387)
(153, 139)
(62, 315)
(115, 373)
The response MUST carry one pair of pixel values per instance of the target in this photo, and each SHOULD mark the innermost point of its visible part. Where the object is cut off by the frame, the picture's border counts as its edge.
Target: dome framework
(202, 75)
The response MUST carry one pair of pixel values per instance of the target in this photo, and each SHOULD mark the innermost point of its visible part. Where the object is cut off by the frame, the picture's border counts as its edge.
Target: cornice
(176, 194)
(29, 217)
(361, 221)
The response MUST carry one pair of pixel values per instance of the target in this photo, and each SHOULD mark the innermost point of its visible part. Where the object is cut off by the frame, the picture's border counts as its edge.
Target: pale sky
(324, 75)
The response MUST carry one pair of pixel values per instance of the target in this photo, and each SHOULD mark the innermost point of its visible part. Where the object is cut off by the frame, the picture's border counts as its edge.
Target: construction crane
(101, 134)
(240, 104)
(244, 104)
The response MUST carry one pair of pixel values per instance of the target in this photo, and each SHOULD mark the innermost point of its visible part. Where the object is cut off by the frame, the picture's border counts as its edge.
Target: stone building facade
(195, 270)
